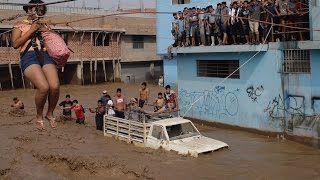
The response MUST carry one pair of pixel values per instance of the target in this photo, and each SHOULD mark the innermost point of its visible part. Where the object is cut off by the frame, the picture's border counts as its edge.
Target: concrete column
(314, 13)
(77, 77)
(11, 76)
(117, 72)
(152, 69)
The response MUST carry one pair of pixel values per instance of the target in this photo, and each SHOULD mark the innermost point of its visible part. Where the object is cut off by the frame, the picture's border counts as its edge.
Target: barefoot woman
(35, 62)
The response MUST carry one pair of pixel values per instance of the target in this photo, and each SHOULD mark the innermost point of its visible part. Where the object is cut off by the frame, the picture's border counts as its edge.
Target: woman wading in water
(35, 62)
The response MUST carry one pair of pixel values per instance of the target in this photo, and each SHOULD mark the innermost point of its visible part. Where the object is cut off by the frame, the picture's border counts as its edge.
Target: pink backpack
(56, 48)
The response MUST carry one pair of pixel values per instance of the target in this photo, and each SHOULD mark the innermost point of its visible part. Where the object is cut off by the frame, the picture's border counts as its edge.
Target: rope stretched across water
(67, 23)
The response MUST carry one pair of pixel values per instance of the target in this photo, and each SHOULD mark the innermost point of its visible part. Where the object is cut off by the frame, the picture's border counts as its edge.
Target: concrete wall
(229, 102)
(302, 98)
(141, 71)
(170, 72)
(148, 53)
(263, 98)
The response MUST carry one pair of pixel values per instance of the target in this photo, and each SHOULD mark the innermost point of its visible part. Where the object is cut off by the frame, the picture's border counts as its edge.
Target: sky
(105, 4)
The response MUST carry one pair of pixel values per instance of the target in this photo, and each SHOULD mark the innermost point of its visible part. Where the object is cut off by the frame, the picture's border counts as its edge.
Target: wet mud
(80, 152)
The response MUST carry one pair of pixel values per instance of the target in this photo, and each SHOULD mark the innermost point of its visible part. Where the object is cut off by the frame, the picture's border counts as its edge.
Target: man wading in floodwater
(119, 104)
(35, 62)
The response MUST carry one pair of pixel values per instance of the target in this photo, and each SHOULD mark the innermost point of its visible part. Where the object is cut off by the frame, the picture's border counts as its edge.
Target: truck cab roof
(171, 121)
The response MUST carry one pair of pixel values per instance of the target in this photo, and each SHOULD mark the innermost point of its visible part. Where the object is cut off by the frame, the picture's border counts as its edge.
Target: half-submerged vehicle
(171, 133)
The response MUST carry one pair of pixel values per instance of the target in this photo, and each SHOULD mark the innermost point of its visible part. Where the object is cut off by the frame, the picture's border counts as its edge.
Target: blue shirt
(181, 25)
(194, 23)
(272, 9)
(104, 101)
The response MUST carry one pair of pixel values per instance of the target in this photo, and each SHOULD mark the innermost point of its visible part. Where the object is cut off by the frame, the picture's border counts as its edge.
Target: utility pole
(99, 4)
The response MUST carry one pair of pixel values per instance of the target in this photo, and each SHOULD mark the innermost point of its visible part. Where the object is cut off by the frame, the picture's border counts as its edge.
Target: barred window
(218, 68)
(138, 42)
(296, 61)
(174, 2)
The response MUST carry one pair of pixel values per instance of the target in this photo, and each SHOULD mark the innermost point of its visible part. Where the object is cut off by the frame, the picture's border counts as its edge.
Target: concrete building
(277, 88)
(111, 48)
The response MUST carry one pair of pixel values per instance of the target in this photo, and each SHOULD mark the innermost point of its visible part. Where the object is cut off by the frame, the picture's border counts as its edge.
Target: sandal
(40, 125)
(52, 122)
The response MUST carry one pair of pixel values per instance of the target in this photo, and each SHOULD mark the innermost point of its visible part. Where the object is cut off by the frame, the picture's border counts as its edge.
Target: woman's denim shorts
(31, 58)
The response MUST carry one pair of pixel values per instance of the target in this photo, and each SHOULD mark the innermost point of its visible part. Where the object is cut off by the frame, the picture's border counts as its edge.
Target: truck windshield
(180, 131)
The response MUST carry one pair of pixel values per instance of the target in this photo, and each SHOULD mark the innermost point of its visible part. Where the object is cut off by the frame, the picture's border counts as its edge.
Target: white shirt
(110, 110)
(232, 14)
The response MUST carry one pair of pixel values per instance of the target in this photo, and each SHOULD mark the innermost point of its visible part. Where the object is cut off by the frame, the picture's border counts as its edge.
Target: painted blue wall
(263, 98)
(242, 102)
(170, 72)
(303, 101)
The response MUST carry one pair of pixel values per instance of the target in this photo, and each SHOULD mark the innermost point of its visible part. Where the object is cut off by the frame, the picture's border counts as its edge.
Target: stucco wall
(170, 72)
(263, 98)
(240, 102)
(302, 98)
(148, 53)
(141, 71)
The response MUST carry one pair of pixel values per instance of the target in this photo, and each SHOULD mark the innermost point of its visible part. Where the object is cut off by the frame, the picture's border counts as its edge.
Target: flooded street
(80, 152)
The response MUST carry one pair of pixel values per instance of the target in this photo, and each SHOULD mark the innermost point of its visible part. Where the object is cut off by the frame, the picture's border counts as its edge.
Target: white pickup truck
(177, 134)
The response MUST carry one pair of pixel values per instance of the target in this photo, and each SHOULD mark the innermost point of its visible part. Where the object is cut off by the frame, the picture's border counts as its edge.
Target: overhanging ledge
(308, 45)
(224, 48)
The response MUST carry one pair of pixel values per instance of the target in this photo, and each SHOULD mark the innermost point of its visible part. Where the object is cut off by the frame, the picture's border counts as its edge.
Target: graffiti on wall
(216, 103)
(254, 93)
(276, 111)
(289, 113)
(304, 122)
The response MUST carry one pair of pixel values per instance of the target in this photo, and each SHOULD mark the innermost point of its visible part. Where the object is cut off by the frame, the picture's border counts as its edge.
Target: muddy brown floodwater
(80, 152)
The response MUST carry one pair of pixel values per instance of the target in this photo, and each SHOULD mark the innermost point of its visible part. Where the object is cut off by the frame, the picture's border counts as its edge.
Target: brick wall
(85, 49)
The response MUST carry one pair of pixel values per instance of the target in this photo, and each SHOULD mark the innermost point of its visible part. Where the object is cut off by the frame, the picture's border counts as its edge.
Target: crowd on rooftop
(244, 22)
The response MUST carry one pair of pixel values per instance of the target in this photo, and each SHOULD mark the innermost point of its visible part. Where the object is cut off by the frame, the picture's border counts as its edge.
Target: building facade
(105, 49)
(276, 88)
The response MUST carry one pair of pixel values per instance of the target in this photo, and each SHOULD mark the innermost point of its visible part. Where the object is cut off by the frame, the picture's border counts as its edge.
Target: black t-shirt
(66, 112)
(244, 12)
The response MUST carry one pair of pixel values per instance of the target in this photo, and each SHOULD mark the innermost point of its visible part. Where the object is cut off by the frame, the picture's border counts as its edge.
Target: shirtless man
(159, 103)
(119, 104)
(18, 104)
(143, 95)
